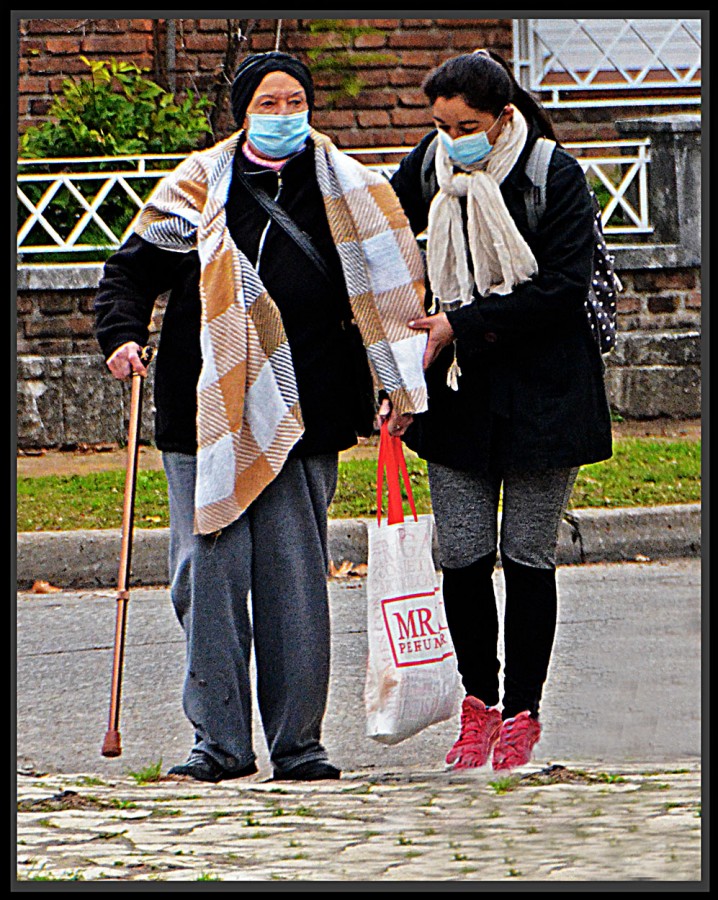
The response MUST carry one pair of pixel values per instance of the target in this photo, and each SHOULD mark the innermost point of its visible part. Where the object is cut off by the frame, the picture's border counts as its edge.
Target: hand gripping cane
(111, 745)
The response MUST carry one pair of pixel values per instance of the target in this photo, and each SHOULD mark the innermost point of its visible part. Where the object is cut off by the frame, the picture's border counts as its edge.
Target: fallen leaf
(153, 518)
(44, 587)
(342, 571)
(347, 569)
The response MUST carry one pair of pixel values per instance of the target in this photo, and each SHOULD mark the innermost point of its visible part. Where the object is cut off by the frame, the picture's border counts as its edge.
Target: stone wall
(66, 395)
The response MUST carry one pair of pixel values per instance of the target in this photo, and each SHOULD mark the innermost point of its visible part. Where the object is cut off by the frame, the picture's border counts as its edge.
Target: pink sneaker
(480, 727)
(516, 741)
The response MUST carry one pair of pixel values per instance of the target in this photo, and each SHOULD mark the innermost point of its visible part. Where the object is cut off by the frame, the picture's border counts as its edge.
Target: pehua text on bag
(417, 629)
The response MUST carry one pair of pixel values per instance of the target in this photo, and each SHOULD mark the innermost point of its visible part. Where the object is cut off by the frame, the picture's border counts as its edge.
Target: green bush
(116, 111)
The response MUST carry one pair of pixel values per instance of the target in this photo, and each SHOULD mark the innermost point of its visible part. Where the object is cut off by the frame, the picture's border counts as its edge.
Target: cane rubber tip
(111, 745)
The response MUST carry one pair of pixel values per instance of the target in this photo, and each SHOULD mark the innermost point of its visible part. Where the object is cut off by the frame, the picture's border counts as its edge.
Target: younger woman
(515, 377)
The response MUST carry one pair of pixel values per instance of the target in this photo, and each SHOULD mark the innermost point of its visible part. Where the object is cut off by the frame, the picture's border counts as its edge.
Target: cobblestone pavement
(568, 822)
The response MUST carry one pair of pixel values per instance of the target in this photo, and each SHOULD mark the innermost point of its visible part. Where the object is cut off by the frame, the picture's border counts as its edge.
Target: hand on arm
(441, 334)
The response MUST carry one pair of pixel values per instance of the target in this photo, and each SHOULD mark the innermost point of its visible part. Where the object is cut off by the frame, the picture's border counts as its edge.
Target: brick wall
(55, 323)
(57, 319)
(392, 60)
(390, 109)
(660, 299)
(50, 50)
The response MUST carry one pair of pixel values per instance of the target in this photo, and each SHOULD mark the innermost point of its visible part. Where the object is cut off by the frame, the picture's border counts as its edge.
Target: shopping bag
(412, 680)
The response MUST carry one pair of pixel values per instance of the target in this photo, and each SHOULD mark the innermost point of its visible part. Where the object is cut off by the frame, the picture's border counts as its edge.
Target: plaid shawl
(248, 415)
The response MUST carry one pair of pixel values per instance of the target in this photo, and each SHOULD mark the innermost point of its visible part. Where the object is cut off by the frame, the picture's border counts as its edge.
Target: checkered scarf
(248, 415)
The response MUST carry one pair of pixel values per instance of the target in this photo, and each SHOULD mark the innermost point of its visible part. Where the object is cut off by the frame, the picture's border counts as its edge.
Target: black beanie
(253, 69)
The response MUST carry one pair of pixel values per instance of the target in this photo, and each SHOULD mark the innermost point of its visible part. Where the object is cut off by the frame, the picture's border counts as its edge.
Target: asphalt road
(624, 683)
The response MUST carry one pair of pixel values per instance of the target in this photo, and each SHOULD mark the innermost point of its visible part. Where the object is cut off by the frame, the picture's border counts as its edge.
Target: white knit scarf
(500, 256)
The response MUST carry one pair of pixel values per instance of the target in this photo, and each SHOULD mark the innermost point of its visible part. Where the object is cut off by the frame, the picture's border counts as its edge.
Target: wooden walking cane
(111, 745)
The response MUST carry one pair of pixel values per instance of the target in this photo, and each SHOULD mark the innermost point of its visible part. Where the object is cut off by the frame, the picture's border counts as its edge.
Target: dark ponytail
(486, 83)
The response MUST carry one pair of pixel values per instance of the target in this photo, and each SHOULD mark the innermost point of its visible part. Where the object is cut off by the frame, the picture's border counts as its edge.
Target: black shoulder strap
(428, 172)
(285, 221)
(537, 172)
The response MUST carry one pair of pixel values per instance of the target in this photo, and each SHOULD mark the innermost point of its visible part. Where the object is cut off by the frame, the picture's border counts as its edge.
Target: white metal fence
(85, 206)
(609, 62)
(66, 205)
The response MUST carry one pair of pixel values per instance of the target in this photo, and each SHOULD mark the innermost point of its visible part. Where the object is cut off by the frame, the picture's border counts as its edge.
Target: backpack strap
(537, 166)
(429, 184)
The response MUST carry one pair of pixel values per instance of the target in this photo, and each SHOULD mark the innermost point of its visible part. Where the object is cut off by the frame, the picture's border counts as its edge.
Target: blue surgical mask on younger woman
(278, 136)
(467, 150)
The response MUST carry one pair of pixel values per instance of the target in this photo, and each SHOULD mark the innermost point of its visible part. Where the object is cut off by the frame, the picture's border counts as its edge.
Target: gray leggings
(466, 514)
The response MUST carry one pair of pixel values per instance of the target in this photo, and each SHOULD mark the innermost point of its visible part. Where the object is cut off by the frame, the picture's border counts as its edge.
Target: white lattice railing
(67, 206)
(609, 62)
(64, 200)
(621, 167)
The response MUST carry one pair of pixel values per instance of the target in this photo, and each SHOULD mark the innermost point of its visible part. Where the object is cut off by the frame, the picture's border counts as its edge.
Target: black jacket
(335, 387)
(531, 394)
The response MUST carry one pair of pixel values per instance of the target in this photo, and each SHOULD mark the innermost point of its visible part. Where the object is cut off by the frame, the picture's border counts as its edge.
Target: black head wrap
(253, 69)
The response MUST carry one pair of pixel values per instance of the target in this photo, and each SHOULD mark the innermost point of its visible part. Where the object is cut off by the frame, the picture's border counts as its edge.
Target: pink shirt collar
(275, 165)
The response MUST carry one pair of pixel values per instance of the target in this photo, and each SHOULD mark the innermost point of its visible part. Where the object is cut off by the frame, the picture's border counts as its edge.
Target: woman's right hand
(126, 360)
(396, 423)
(441, 334)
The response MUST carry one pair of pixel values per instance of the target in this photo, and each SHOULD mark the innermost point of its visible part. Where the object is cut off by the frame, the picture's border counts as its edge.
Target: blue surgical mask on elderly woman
(467, 150)
(278, 136)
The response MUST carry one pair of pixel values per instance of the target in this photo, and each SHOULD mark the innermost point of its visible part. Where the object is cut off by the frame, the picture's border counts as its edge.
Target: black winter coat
(335, 385)
(531, 394)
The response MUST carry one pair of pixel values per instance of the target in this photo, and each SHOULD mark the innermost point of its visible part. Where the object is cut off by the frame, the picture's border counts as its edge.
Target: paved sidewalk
(563, 823)
(614, 793)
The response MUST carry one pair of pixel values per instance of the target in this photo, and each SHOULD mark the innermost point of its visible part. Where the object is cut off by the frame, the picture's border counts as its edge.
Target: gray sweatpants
(277, 553)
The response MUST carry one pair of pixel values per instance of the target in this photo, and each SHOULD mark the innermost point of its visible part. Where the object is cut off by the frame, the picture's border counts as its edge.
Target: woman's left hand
(441, 334)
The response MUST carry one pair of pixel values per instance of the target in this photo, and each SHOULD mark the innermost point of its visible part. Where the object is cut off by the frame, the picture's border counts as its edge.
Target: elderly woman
(292, 273)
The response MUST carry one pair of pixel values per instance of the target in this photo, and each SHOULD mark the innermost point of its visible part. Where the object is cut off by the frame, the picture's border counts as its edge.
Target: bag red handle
(391, 459)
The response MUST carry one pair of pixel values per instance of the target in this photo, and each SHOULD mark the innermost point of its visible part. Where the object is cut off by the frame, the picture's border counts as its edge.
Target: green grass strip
(642, 472)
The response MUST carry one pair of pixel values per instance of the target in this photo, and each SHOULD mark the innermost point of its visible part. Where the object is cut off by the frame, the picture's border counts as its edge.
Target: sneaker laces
(474, 723)
(517, 738)
(471, 725)
(476, 733)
